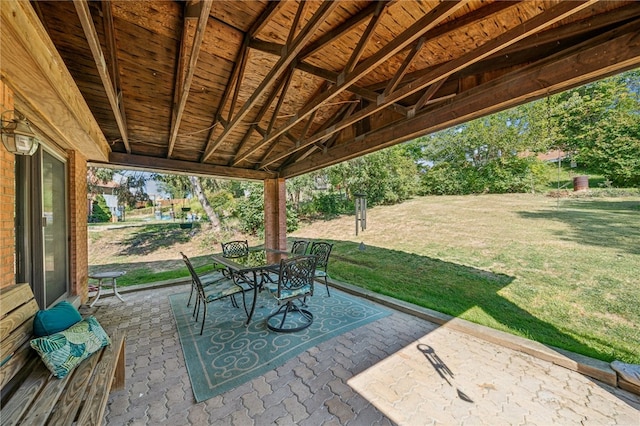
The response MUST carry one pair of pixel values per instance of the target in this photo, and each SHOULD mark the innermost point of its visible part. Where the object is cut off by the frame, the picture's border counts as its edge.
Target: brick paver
(397, 370)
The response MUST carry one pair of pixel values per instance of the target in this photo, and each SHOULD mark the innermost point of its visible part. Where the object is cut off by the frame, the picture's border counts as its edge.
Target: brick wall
(78, 260)
(7, 201)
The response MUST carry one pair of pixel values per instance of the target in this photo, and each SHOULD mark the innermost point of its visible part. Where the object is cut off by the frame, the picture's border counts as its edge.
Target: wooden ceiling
(264, 89)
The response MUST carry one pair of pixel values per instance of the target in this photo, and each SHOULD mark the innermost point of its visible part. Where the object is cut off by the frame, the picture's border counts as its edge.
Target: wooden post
(275, 214)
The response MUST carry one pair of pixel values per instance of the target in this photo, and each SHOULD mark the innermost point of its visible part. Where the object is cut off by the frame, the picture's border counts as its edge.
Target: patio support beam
(508, 38)
(573, 67)
(84, 14)
(145, 163)
(275, 214)
(279, 68)
(191, 42)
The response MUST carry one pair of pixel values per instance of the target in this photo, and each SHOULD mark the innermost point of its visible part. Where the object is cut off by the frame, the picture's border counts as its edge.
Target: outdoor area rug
(230, 353)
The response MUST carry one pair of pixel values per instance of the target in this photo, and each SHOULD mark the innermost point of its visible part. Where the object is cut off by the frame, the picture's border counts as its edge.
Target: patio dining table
(253, 269)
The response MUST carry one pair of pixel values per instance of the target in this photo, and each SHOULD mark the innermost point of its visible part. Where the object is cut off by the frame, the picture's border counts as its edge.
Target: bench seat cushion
(63, 351)
(55, 319)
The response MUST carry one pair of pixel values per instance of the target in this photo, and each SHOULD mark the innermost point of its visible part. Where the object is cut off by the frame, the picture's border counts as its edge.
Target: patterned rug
(230, 353)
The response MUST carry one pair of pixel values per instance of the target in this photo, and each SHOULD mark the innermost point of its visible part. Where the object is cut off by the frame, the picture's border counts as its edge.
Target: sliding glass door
(42, 225)
(54, 227)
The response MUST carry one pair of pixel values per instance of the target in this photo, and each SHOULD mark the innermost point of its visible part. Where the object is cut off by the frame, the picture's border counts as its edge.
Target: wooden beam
(542, 20)
(281, 66)
(533, 25)
(44, 89)
(420, 27)
(427, 95)
(238, 82)
(148, 164)
(241, 156)
(272, 8)
(240, 58)
(568, 69)
(400, 73)
(82, 9)
(183, 85)
(365, 38)
(339, 31)
(296, 21)
(283, 94)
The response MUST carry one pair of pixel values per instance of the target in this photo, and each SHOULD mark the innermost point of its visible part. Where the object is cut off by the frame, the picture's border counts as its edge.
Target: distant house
(108, 191)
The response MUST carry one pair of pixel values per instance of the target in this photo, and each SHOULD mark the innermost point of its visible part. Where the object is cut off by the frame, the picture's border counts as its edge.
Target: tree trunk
(199, 193)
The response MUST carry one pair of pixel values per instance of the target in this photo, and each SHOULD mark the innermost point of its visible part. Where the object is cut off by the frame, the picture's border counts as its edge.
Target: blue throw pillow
(55, 319)
(62, 352)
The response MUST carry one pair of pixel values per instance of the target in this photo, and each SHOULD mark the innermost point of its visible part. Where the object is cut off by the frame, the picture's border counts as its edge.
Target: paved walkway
(397, 370)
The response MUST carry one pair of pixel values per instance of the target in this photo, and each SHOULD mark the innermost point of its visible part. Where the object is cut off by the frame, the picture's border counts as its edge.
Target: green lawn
(564, 272)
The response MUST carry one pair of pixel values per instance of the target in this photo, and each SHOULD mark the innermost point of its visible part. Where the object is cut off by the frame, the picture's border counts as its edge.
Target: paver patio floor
(397, 370)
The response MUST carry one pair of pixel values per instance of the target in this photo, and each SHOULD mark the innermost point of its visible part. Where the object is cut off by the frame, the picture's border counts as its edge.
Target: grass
(563, 276)
(563, 272)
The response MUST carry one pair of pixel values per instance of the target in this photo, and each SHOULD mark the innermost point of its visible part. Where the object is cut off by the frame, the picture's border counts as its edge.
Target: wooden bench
(30, 393)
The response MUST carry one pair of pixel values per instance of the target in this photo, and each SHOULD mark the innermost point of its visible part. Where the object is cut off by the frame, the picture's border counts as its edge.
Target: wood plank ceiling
(263, 89)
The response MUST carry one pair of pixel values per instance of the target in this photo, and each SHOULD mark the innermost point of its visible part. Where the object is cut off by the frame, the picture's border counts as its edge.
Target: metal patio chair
(295, 283)
(299, 247)
(322, 251)
(216, 290)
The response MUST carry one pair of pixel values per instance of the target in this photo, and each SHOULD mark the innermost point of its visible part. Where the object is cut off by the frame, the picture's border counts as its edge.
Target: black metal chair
(233, 249)
(295, 283)
(206, 279)
(299, 247)
(214, 291)
(322, 251)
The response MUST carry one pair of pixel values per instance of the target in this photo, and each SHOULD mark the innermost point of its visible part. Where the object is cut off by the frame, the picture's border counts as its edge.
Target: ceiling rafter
(366, 37)
(332, 77)
(241, 57)
(400, 73)
(296, 21)
(345, 111)
(110, 40)
(82, 9)
(184, 77)
(265, 17)
(283, 93)
(415, 31)
(327, 75)
(426, 96)
(339, 31)
(531, 26)
(281, 66)
(238, 157)
(547, 76)
(239, 76)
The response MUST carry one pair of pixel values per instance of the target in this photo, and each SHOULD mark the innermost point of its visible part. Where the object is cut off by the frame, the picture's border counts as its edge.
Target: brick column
(78, 250)
(275, 214)
(7, 201)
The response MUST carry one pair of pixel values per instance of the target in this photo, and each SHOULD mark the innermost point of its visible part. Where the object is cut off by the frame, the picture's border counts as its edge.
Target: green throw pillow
(62, 352)
(55, 319)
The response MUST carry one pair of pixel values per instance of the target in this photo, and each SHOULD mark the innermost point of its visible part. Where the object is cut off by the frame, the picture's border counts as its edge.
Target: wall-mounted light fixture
(17, 135)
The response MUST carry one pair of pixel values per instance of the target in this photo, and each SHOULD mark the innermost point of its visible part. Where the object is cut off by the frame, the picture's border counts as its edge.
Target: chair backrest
(237, 248)
(321, 251)
(299, 247)
(295, 274)
(192, 271)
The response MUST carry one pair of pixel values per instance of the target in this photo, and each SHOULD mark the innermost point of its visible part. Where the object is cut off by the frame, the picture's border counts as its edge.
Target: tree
(600, 123)
(486, 154)
(178, 186)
